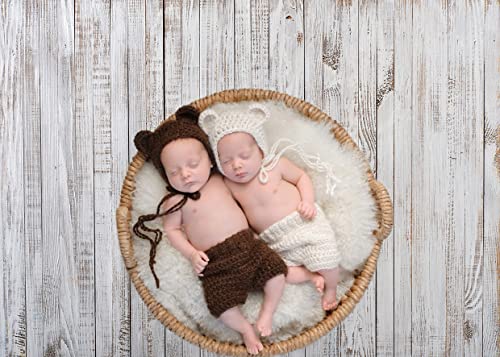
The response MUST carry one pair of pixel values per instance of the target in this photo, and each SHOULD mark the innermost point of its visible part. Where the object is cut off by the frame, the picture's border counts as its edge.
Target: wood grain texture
(403, 178)
(32, 179)
(216, 46)
(109, 83)
(491, 247)
(67, 193)
(465, 156)
(12, 207)
(431, 188)
(385, 164)
(286, 46)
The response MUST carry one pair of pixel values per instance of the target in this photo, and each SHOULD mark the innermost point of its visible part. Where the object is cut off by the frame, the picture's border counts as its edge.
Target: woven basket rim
(347, 303)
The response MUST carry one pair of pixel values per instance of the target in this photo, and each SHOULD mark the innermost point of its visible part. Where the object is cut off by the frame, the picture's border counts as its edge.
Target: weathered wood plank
(81, 179)
(216, 46)
(491, 248)
(107, 71)
(403, 177)
(251, 44)
(12, 225)
(32, 180)
(118, 281)
(67, 193)
(465, 160)
(340, 59)
(243, 51)
(385, 164)
(145, 27)
(286, 47)
(430, 169)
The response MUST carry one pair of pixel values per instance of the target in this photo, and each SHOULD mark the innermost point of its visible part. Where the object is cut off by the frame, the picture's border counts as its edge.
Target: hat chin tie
(312, 161)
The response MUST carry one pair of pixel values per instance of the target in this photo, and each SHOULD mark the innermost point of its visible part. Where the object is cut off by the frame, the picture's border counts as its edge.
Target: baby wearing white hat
(276, 196)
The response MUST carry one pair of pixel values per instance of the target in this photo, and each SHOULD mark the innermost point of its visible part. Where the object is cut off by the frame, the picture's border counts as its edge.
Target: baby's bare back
(266, 204)
(214, 217)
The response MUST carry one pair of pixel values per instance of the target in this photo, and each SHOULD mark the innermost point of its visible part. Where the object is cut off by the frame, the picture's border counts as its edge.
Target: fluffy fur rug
(351, 213)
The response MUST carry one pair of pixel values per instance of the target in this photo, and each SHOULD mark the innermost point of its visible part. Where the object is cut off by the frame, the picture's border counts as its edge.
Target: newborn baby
(276, 196)
(205, 224)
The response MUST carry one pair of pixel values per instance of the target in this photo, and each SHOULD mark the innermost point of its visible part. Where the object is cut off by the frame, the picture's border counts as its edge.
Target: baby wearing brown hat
(205, 224)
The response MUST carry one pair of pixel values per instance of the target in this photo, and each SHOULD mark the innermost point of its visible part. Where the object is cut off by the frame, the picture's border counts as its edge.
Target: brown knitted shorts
(238, 265)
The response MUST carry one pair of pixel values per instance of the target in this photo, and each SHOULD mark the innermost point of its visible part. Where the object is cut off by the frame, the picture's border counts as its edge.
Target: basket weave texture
(348, 302)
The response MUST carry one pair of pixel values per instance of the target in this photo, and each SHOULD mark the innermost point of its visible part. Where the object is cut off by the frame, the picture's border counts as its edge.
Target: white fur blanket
(351, 213)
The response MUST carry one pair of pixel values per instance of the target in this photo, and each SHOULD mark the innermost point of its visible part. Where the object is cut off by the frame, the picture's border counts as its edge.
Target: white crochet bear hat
(248, 121)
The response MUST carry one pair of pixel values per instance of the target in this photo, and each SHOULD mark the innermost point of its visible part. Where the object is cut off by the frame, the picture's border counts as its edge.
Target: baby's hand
(306, 210)
(199, 261)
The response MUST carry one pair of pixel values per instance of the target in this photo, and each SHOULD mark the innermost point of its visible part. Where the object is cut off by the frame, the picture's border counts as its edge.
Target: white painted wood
(491, 229)
(12, 207)
(286, 46)
(216, 46)
(106, 69)
(243, 51)
(402, 236)
(67, 194)
(340, 57)
(32, 180)
(431, 183)
(465, 161)
(385, 163)
(119, 336)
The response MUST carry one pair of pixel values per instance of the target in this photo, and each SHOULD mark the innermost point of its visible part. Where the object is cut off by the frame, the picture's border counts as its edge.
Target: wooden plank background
(416, 84)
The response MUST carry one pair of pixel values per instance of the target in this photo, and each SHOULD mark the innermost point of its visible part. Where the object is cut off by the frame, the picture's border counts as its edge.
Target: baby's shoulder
(171, 202)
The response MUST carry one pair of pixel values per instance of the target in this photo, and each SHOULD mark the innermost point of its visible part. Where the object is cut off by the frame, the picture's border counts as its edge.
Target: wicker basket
(384, 217)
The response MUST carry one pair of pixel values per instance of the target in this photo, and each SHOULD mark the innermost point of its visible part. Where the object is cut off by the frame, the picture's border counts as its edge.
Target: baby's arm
(296, 176)
(172, 226)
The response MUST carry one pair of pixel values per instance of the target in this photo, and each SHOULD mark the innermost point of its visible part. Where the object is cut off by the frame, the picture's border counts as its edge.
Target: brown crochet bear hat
(184, 126)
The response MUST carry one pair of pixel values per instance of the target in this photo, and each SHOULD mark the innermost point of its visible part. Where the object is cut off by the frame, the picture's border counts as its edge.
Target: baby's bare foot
(252, 342)
(265, 324)
(319, 282)
(330, 299)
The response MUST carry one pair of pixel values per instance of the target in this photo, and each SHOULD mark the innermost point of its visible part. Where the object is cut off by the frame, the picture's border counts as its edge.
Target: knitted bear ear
(260, 111)
(208, 120)
(142, 141)
(188, 113)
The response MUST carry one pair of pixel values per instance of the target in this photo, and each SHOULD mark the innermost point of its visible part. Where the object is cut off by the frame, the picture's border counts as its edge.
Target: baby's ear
(188, 113)
(142, 141)
(208, 120)
(260, 111)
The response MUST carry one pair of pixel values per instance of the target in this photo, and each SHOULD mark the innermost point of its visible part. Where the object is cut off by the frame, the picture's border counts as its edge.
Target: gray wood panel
(416, 84)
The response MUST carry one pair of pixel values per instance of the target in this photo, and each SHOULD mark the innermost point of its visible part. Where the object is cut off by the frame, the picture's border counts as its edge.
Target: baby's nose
(236, 164)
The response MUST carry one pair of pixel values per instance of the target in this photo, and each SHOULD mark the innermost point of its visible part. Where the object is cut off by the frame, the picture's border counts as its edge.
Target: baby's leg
(300, 274)
(272, 295)
(331, 280)
(235, 319)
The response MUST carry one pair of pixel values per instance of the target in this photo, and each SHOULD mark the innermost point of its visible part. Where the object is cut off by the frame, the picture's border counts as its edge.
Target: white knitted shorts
(302, 242)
